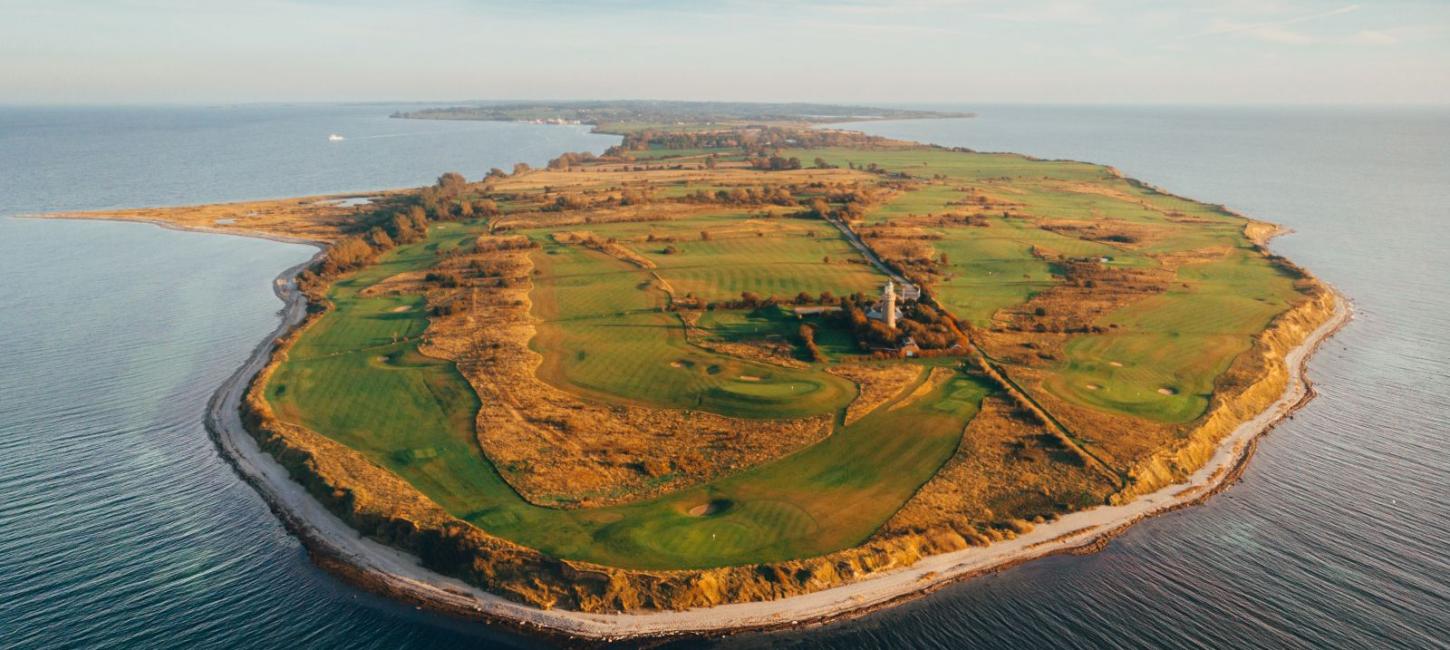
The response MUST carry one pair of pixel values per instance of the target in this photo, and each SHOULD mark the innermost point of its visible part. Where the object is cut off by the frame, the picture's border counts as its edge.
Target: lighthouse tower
(888, 304)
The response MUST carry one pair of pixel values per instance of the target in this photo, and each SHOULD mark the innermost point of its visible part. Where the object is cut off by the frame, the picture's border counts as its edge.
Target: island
(745, 371)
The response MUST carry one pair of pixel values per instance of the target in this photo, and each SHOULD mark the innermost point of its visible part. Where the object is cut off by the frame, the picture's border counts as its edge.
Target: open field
(348, 377)
(608, 307)
(1161, 355)
(599, 332)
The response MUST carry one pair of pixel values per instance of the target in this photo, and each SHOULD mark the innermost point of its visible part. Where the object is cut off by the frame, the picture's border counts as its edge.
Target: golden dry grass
(313, 218)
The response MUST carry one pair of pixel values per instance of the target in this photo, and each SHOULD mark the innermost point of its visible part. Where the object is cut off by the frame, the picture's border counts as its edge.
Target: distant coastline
(622, 116)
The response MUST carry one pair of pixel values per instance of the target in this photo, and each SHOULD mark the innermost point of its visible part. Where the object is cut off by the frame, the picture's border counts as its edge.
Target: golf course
(725, 362)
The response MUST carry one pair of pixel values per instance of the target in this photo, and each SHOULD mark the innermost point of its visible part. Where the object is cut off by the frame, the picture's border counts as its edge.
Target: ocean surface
(121, 527)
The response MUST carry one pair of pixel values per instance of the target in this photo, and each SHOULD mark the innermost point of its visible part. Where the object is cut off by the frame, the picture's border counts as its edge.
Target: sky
(863, 51)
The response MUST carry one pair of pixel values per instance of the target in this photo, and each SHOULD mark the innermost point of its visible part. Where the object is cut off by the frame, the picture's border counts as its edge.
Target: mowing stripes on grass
(607, 339)
(413, 415)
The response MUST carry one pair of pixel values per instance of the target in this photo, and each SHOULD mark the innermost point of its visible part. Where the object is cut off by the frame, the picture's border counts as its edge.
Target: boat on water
(333, 137)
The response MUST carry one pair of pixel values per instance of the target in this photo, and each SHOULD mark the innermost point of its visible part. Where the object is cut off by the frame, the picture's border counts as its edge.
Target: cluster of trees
(868, 333)
(762, 138)
(808, 341)
(447, 199)
(642, 140)
(930, 329)
(512, 243)
(768, 195)
(447, 307)
(853, 211)
(752, 300)
(750, 139)
(356, 251)
(569, 201)
(566, 201)
(853, 201)
(852, 194)
(571, 158)
(775, 163)
(519, 168)
(892, 230)
(452, 198)
(445, 279)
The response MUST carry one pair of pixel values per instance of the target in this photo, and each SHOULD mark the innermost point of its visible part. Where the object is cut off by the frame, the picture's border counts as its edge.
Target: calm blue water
(120, 526)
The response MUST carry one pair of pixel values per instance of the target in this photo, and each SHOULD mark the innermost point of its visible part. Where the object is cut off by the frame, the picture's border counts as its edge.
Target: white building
(886, 309)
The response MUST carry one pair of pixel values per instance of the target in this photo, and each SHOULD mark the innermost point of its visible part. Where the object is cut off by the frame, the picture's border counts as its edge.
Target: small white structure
(888, 303)
(886, 309)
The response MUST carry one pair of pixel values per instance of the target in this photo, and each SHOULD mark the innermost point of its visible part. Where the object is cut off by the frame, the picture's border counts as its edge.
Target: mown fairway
(1162, 358)
(600, 333)
(356, 376)
(348, 379)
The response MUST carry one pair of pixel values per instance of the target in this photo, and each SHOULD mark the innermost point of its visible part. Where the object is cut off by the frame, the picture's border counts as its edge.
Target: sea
(120, 525)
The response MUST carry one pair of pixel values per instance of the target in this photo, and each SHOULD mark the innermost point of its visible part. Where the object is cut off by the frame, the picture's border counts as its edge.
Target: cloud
(1052, 12)
(1279, 32)
(1373, 37)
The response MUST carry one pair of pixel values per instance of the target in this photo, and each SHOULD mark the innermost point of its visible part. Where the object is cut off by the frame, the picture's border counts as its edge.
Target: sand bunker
(1167, 391)
(682, 364)
(1091, 386)
(713, 507)
(401, 309)
(1115, 364)
(751, 378)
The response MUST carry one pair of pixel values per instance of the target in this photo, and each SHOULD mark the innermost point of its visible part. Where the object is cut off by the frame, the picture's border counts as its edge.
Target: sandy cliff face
(386, 508)
(1255, 380)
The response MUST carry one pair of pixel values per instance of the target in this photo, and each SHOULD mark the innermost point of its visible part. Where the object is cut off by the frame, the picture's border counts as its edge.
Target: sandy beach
(373, 566)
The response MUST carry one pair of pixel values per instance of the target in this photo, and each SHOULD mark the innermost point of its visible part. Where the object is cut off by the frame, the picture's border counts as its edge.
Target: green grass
(926, 162)
(356, 375)
(1180, 341)
(348, 379)
(928, 199)
(778, 256)
(600, 333)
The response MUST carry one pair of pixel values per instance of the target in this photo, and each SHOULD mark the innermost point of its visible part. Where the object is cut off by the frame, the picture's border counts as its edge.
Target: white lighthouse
(888, 304)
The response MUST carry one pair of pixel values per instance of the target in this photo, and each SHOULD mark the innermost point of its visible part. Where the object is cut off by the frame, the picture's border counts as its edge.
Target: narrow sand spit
(379, 568)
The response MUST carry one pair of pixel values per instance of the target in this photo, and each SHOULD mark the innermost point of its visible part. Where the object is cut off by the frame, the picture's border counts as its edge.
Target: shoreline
(372, 566)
